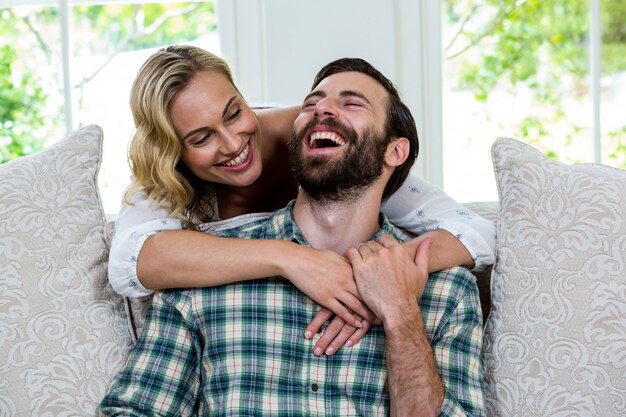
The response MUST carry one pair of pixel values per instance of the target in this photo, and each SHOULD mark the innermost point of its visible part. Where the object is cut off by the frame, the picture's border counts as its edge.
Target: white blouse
(417, 207)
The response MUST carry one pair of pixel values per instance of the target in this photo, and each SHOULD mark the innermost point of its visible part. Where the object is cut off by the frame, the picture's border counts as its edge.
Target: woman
(201, 154)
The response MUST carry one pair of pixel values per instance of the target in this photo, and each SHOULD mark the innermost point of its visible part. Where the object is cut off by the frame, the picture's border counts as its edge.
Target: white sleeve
(420, 207)
(134, 224)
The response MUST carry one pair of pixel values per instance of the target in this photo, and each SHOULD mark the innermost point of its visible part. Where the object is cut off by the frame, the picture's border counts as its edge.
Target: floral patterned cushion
(63, 332)
(555, 341)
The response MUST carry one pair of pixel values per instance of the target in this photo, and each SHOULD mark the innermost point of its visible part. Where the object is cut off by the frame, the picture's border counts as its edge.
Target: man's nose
(325, 108)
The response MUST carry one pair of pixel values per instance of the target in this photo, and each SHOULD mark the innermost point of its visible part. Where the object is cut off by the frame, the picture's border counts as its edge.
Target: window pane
(517, 69)
(613, 82)
(110, 42)
(31, 92)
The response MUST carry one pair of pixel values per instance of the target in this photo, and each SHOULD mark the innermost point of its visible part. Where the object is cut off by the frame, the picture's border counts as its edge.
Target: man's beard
(330, 179)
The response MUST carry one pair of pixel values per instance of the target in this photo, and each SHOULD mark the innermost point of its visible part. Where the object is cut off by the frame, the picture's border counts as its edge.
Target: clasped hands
(373, 283)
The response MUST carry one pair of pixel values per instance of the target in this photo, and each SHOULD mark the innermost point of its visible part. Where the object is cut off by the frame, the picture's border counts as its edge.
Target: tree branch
(489, 31)
(160, 21)
(469, 16)
(42, 44)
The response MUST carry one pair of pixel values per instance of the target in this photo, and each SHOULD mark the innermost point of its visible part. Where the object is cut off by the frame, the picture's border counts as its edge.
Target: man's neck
(337, 226)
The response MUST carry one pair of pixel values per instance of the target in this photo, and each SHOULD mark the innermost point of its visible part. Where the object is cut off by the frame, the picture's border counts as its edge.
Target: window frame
(65, 26)
(419, 75)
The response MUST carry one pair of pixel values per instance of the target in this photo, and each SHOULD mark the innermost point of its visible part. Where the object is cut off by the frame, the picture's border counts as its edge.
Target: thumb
(422, 254)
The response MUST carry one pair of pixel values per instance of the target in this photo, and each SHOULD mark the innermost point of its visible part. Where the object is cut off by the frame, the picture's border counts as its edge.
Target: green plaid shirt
(239, 349)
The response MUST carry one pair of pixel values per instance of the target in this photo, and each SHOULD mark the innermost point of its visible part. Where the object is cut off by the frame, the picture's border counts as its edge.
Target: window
(72, 64)
(552, 74)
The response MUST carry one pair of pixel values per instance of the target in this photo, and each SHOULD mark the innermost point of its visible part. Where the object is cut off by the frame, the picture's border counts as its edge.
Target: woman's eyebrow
(193, 132)
(228, 105)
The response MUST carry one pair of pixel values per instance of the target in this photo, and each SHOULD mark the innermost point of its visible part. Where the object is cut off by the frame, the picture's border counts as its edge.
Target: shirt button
(314, 387)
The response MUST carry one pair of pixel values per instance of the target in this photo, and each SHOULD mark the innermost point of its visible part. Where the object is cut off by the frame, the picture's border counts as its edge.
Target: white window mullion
(595, 74)
(65, 19)
(242, 35)
(418, 61)
(432, 67)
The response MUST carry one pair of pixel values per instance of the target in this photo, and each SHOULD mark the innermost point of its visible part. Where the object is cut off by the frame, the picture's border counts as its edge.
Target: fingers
(422, 255)
(337, 334)
(387, 241)
(360, 308)
(422, 260)
(357, 335)
(344, 312)
(370, 247)
(316, 324)
(353, 256)
(337, 329)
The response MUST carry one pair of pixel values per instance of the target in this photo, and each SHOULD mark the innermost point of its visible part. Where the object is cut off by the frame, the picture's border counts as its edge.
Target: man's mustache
(330, 124)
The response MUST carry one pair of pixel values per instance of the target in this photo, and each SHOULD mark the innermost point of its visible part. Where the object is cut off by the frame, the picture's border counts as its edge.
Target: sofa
(554, 302)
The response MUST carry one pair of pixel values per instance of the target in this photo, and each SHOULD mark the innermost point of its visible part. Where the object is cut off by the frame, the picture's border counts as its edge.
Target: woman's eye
(354, 104)
(201, 141)
(235, 114)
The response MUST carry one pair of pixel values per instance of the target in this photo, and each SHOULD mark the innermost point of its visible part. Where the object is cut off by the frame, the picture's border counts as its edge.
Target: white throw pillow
(63, 331)
(555, 341)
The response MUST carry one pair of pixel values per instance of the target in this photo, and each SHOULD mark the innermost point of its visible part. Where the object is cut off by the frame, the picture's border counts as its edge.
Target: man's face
(339, 143)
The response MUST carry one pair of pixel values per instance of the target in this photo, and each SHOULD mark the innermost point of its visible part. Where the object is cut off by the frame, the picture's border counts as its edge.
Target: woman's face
(217, 130)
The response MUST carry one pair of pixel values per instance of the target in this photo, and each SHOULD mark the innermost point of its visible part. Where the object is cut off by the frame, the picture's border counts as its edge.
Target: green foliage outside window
(542, 45)
(124, 27)
(31, 39)
(21, 101)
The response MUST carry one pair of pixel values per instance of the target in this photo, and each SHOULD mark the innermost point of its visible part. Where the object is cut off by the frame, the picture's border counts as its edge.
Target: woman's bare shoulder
(276, 123)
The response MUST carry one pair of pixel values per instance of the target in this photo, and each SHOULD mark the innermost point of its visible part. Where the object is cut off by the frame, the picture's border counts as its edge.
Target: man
(238, 349)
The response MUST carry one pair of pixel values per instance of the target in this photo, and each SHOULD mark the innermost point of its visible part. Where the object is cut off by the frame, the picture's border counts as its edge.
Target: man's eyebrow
(350, 93)
(319, 94)
(200, 129)
(345, 93)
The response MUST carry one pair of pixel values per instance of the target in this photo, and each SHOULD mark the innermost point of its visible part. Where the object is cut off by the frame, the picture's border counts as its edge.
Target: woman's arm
(134, 224)
(461, 237)
(150, 251)
(175, 259)
(446, 252)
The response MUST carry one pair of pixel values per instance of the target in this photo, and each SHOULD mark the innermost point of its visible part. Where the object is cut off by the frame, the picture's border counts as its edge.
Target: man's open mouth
(325, 139)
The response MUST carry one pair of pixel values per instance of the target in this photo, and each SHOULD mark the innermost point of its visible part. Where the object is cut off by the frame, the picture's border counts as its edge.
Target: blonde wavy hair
(155, 149)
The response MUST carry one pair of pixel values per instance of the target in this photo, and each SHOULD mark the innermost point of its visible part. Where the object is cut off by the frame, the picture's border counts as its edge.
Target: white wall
(275, 47)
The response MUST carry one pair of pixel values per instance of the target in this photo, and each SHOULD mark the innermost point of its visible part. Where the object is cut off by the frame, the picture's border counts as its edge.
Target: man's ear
(397, 152)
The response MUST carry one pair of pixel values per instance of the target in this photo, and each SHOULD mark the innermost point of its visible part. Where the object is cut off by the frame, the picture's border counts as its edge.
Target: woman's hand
(327, 279)
(337, 333)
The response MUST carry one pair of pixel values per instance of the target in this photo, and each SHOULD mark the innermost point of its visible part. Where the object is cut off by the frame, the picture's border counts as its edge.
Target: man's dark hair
(399, 123)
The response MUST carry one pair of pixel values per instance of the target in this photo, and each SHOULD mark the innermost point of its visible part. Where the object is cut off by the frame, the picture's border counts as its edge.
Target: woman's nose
(230, 143)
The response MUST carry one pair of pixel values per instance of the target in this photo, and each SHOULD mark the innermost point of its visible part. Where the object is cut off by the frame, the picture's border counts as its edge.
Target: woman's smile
(241, 161)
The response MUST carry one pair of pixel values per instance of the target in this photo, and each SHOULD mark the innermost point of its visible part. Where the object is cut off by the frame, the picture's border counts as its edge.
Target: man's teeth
(331, 136)
(239, 159)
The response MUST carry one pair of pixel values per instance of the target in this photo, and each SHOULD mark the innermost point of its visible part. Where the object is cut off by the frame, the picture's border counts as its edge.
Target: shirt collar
(282, 225)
